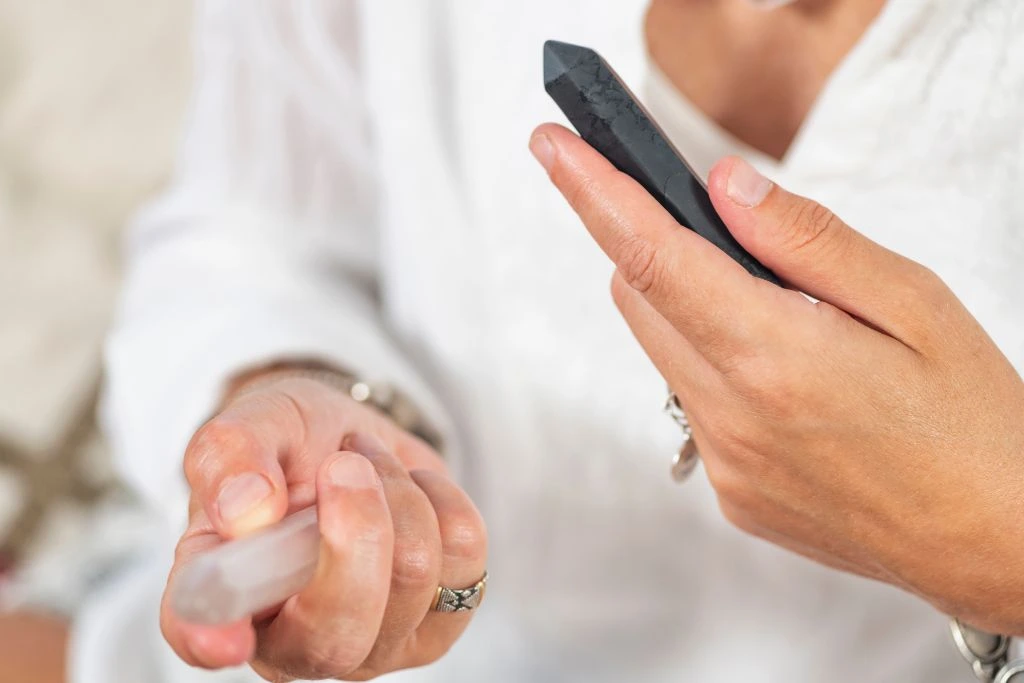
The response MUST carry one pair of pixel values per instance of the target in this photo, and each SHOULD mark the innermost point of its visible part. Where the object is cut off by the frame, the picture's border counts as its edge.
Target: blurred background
(92, 95)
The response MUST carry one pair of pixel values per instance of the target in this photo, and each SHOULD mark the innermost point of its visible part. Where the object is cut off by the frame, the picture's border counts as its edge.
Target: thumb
(811, 249)
(233, 469)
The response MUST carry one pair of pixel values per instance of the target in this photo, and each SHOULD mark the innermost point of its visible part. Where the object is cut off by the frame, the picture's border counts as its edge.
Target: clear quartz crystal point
(240, 578)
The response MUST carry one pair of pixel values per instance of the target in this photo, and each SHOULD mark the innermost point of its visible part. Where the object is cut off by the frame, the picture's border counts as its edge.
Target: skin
(32, 648)
(394, 528)
(876, 431)
(757, 74)
(365, 613)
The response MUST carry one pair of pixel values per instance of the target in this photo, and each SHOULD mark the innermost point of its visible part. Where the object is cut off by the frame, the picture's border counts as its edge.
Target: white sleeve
(265, 246)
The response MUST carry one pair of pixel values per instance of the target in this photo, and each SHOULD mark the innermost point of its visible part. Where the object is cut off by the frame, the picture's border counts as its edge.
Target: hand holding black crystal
(791, 397)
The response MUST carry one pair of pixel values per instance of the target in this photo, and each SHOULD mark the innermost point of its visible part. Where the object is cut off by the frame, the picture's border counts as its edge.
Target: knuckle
(931, 291)
(218, 436)
(928, 281)
(742, 369)
(332, 660)
(340, 654)
(808, 226)
(931, 310)
(738, 496)
(465, 538)
(735, 437)
(729, 488)
(742, 464)
(639, 264)
(769, 387)
(415, 565)
(756, 377)
(620, 292)
(735, 516)
(223, 434)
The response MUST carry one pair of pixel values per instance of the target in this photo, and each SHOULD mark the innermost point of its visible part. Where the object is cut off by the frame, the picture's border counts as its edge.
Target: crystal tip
(560, 58)
(199, 594)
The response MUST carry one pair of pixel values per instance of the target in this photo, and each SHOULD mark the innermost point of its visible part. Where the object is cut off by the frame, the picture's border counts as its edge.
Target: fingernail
(365, 444)
(353, 471)
(746, 186)
(242, 495)
(543, 150)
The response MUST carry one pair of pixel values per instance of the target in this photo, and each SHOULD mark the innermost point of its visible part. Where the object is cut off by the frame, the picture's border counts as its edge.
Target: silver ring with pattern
(460, 599)
(684, 462)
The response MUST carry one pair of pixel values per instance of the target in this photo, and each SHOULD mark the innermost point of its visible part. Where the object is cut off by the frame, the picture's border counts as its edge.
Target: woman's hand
(394, 527)
(878, 430)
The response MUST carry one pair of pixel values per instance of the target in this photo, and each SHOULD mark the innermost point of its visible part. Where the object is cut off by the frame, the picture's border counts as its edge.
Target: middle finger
(329, 628)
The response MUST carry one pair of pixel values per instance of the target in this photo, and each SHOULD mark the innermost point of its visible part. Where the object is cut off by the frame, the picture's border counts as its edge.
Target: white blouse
(354, 185)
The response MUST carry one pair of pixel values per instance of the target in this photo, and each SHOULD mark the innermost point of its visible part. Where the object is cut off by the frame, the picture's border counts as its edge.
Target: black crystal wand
(612, 121)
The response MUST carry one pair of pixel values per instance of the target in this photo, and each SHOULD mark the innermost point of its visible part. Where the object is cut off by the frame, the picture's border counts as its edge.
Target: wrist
(383, 397)
(258, 378)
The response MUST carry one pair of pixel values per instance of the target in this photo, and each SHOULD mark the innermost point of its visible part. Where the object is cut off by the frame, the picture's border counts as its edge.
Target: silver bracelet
(397, 406)
(383, 397)
(987, 653)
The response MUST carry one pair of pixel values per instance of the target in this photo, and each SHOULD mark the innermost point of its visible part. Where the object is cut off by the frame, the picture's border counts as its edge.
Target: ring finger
(463, 564)
(329, 628)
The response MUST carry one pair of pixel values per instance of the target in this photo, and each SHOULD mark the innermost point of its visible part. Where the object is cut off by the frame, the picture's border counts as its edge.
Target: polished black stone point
(607, 115)
(559, 58)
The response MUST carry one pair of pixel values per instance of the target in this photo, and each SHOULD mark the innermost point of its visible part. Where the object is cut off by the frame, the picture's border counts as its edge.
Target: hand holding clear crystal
(375, 527)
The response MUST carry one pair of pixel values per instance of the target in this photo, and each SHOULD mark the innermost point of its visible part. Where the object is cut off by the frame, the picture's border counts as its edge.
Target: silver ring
(460, 599)
(684, 462)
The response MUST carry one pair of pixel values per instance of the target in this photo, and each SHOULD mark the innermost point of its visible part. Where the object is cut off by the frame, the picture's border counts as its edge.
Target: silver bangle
(987, 653)
(383, 397)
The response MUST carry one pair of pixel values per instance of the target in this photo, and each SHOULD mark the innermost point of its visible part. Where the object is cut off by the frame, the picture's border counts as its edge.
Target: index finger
(211, 647)
(702, 292)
